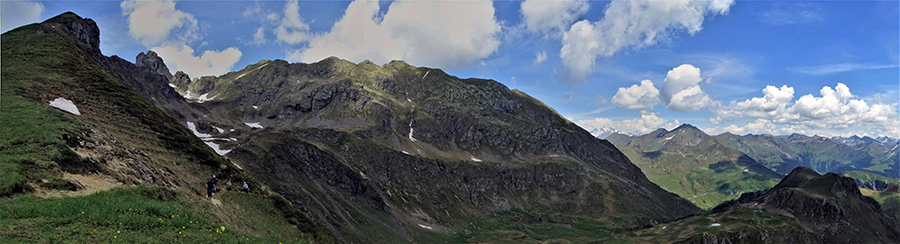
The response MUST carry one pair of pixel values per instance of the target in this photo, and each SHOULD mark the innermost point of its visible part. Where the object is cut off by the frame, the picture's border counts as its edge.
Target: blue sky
(816, 67)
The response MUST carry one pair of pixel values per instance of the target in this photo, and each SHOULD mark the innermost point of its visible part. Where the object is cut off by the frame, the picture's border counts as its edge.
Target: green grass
(523, 226)
(146, 214)
(699, 176)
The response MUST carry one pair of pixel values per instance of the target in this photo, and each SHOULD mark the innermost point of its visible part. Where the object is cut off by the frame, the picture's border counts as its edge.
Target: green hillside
(687, 162)
(124, 162)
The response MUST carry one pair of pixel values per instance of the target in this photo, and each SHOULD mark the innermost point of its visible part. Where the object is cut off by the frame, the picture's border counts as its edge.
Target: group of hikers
(212, 182)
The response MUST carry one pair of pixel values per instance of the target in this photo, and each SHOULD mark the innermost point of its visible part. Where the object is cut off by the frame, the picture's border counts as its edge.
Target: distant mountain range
(885, 141)
(784, 153)
(694, 165)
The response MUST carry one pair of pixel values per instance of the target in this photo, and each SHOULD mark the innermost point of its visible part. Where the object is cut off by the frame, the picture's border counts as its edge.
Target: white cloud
(153, 22)
(630, 24)
(292, 29)
(646, 123)
(839, 68)
(209, 63)
(259, 37)
(18, 13)
(758, 127)
(644, 96)
(445, 34)
(773, 103)
(835, 109)
(540, 57)
(551, 17)
(680, 90)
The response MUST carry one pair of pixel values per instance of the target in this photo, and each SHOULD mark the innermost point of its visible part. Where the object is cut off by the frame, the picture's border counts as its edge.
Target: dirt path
(216, 202)
(87, 184)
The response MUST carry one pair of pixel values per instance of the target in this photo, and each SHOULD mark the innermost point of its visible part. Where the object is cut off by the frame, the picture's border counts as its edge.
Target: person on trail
(211, 185)
(246, 188)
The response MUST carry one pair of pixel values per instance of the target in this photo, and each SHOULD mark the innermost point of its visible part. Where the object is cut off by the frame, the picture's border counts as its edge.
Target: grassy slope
(702, 178)
(146, 214)
(35, 149)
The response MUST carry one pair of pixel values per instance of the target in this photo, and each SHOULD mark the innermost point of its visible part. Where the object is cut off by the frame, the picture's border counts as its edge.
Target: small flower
(115, 237)
(118, 232)
(82, 212)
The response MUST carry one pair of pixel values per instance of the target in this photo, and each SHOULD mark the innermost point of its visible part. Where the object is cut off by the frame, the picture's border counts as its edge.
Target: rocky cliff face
(830, 205)
(435, 149)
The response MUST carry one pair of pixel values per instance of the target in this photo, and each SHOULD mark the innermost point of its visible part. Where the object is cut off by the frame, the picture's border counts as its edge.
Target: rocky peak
(180, 79)
(83, 29)
(797, 177)
(154, 62)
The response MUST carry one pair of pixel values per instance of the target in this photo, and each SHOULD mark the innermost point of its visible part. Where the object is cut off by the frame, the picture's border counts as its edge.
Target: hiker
(229, 185)
(246, 188)
(211, 185)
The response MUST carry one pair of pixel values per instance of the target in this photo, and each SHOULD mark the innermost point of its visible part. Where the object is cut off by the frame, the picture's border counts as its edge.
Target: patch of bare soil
(86, 183)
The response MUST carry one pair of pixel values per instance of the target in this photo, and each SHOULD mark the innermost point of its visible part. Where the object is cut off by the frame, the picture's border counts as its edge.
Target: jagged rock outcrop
(85, 30)
(180, 79)
(154, 62)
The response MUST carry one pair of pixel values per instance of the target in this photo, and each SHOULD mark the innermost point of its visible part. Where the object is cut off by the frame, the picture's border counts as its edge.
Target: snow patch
(257, 68)
(172, 85)
(254, 125)
(714, 225)
(219, 129)
(405, 152)
(216, 148)
(670, 138)
(411, 131)
(255, 107)
(426, 74)
(425, 226)
(239, 167)
(197, 133)
(475, 159)
(204, 99)
(67, 105)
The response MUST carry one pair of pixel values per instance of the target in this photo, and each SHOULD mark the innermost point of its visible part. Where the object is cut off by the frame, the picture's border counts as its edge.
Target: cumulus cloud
(681, 90)
(551, 17)
(208, 63)
(292, 29)
(835, 108)
(643, 96)
(18, 13)
(445, 34)
(153, 22)
(158, 25)
(540, 57)
(630, 24)
(773, 103)
(646, 123)
(758, 127)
